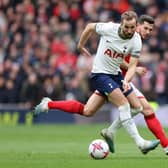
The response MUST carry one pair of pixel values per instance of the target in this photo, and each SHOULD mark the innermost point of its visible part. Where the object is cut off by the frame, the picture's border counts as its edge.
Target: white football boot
(109, 138)
(166, 150)
(42, 106)
(148, 146)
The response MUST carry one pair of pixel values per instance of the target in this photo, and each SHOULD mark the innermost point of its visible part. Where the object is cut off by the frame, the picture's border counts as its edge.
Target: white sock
(113, 128)
(134, 112)
(116, 125)
(129, 125)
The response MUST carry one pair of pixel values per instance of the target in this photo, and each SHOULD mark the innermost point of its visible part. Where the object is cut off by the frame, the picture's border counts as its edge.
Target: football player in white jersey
(116, 42)
(145, 28)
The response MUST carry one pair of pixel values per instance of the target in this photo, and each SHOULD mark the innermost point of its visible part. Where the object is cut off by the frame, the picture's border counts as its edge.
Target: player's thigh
(133, 100)
(117, 98)
(147, 109)
(137, 92)
(93, 104)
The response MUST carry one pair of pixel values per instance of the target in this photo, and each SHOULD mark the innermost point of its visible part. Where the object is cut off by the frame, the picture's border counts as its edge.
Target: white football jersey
(112, 48)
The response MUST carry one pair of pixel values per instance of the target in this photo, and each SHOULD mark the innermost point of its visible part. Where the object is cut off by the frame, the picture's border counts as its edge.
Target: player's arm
(135, 54)
(87, 32)
(131, 69)
(124, 65)
(140, 70)
(130, 72)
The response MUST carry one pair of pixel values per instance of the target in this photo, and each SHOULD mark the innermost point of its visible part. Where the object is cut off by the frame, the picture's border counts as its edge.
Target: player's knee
(124, 112)
(135, 111)
(88, 112)
(147, 111)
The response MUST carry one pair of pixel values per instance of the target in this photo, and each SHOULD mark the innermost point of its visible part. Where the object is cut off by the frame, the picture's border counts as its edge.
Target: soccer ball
(98, 149)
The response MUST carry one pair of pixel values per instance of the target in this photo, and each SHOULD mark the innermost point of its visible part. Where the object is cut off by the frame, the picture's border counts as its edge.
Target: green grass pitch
(66, 146)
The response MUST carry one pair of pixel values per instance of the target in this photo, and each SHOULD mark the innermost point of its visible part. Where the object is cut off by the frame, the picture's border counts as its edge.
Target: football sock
(129, 125)
(117, 123)
(115, 126)
(156, 128)
(70, 106)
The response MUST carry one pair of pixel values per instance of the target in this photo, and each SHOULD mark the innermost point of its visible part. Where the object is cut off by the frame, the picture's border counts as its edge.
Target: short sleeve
(136, 51)
(104, 28)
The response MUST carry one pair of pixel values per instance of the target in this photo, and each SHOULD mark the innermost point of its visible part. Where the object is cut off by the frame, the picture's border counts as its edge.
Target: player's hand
(126, 86)
(141, 71)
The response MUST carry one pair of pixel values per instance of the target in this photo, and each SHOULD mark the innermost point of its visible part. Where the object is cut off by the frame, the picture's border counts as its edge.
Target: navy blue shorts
(106, 83)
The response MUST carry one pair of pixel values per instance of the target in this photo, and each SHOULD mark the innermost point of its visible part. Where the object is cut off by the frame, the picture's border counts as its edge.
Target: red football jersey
(127, 59)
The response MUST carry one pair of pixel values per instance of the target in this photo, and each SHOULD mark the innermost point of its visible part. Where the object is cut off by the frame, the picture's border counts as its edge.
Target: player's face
(145, 30)
(128, 28)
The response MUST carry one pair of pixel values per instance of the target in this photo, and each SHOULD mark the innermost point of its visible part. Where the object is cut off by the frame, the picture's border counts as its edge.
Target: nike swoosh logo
(108, 41)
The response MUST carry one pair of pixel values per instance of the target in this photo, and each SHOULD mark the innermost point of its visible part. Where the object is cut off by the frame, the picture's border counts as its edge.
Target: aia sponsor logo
(113, 54)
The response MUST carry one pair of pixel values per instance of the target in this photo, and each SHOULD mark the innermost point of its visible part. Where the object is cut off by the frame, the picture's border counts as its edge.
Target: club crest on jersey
(113, 54)
(125, 49)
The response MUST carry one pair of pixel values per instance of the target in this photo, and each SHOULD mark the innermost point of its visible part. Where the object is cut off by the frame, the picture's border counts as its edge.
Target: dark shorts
(106, 83)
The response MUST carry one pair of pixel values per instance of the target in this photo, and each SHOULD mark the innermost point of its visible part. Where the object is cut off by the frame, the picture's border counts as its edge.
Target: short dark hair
(146, 18)
(129, 15)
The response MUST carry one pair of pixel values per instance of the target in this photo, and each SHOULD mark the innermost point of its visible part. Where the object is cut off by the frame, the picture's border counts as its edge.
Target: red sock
(155, 126)
(70, 106)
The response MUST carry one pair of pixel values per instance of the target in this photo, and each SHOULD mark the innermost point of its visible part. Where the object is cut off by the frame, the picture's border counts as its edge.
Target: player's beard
(124, 35)
(129, 35)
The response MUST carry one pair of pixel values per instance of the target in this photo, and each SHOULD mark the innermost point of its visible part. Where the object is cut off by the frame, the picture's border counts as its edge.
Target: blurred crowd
(38, 55)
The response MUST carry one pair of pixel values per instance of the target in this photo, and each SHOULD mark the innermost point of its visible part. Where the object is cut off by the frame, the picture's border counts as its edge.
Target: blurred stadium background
(38, 56)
